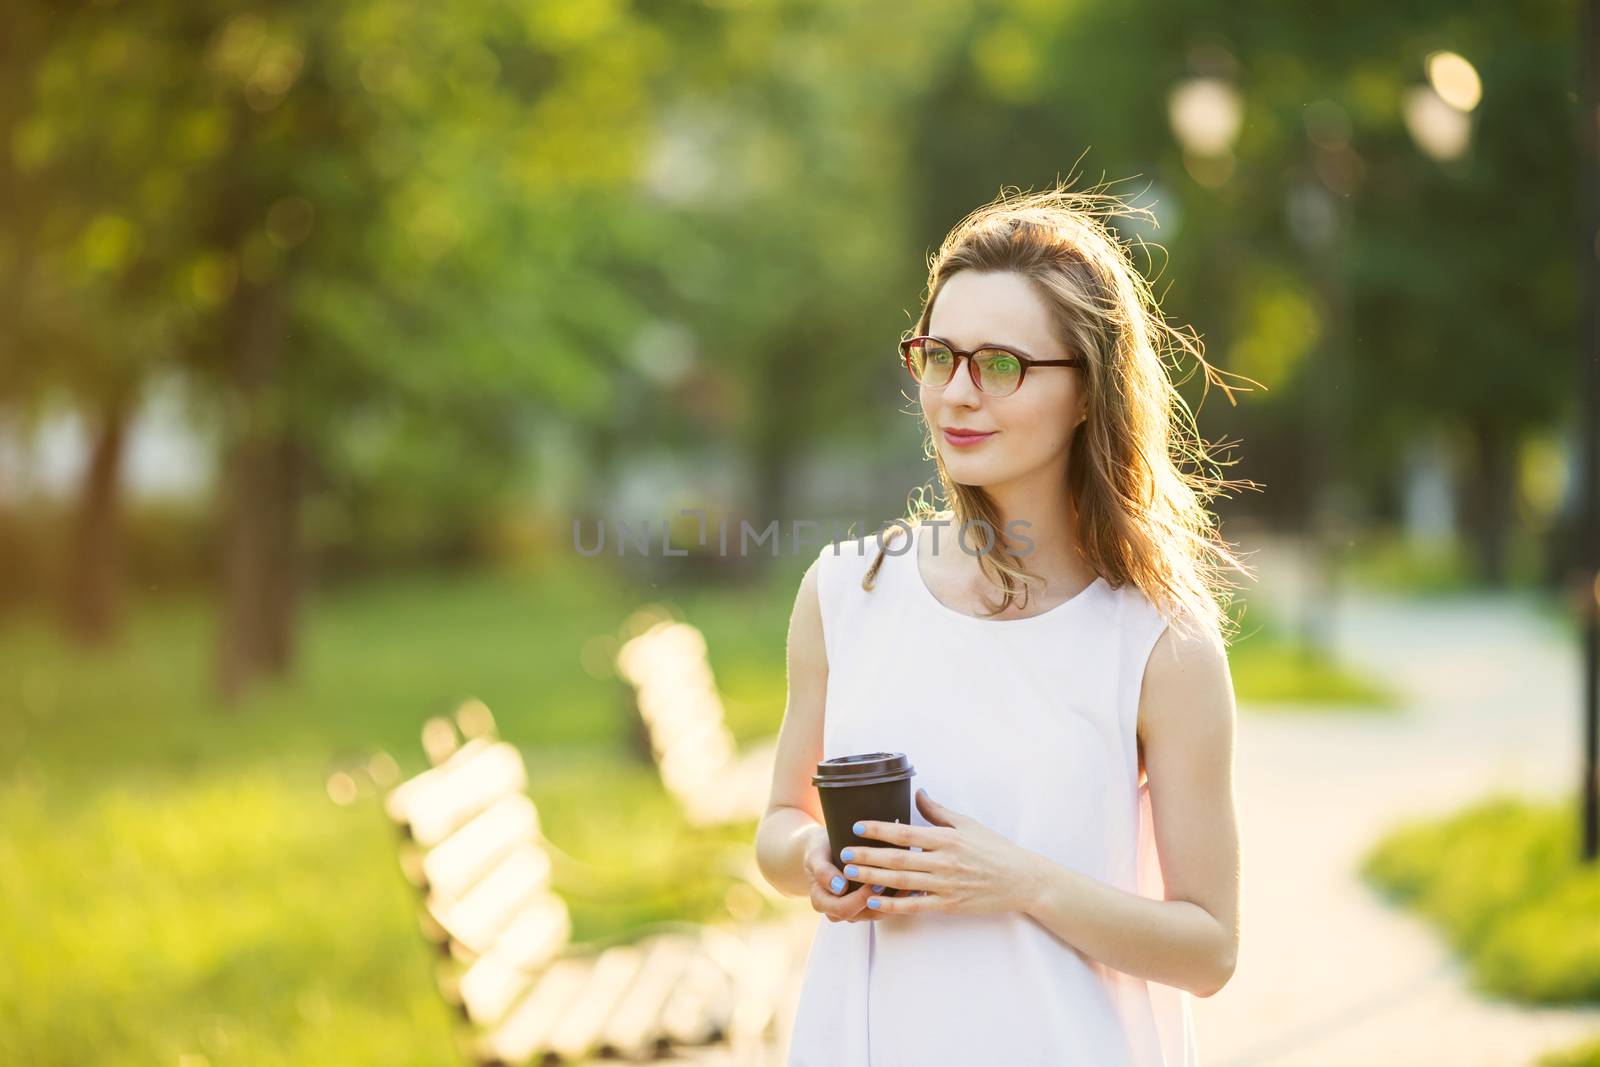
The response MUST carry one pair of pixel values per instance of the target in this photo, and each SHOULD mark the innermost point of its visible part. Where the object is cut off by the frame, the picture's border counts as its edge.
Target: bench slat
(452, 866)
(535, 937)
(485, 991)
(479, 857)
(692, 768)
(705, 731)
(770, 959)
(488, 988)
(401, 797)
(701, 1006)
(537, 934)
(634, 1030)
(696, 754)
(525, 1032)
(578, 1034)
(466, 791)
(476, 918)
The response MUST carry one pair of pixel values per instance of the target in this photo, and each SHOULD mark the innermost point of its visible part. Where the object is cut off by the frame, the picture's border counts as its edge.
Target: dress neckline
(1071, 603)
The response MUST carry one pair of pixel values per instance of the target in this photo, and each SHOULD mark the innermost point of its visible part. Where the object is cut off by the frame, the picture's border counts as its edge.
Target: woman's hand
(964, 866)
(818, 863)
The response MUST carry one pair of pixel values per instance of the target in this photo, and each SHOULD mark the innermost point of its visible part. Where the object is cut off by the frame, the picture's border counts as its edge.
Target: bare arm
(792, 841)
(1190, 939)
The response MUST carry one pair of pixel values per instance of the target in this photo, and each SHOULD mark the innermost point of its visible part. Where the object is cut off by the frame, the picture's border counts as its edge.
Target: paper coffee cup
(869, 785)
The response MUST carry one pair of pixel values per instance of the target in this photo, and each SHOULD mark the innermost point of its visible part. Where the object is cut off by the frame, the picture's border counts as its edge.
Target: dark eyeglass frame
(1025, 360)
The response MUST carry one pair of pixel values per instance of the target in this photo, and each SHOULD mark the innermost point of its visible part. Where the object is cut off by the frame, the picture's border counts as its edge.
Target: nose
(961, 389)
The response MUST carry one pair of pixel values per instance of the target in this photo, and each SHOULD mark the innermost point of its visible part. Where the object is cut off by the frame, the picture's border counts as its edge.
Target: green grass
(1584, 1055)
(1390, 563)
(1384, 559)
(236, 915)
(1276, 672)
(1503, 881)
(177, 882)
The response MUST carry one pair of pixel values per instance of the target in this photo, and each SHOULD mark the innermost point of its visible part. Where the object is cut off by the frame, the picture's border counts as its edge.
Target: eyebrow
(991, 344)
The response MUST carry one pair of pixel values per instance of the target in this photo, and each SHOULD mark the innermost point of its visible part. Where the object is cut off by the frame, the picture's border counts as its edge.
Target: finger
(858, 900)
(899, 879)
(819, 862)
(904, 905)
(869, 914)
(903, 834)
(824, 900)
(880, 857)
(901, 868)
(829, 878)
(828, 904)
(842, 907)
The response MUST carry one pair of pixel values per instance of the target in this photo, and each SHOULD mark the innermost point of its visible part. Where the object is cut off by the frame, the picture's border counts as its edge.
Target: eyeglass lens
(933, 365)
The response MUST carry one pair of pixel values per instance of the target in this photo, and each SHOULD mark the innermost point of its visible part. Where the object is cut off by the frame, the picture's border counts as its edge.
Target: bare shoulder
(805, 620)
(1179, 652)
(1187, 687)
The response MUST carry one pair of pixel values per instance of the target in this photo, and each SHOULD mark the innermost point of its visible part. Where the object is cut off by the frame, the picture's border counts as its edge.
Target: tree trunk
(281, 543)
(257, 600)
(243, 533)
(92, 608)
(1490, 496)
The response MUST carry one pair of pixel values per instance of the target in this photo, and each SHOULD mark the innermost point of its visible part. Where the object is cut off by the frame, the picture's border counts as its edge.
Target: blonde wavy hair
(1140, 477)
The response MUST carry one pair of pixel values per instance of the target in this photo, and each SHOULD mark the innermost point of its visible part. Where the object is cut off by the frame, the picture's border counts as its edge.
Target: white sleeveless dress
(1028, 725)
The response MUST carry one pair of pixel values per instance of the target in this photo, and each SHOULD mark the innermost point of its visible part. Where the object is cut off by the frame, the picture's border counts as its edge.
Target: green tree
(347, 217)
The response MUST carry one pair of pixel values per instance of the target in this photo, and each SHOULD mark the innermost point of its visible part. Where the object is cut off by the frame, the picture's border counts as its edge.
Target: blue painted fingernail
(860, 828)
(837, 884)
(850, 870)
(877, 889)
(848, 854)
(873, 902)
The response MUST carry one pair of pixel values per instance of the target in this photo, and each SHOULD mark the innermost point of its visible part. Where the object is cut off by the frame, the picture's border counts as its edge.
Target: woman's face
(1031, 428)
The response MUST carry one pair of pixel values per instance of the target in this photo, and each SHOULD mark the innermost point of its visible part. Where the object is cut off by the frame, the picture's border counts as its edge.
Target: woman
(1069, 876)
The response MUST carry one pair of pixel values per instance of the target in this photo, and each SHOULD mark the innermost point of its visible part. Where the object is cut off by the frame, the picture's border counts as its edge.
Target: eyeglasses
(995, 371)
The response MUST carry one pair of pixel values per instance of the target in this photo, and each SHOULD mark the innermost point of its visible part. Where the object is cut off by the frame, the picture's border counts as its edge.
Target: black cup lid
(864, 768)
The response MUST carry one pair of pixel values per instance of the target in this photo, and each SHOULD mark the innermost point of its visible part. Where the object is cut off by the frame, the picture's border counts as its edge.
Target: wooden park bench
(473, 847)
(664, 660)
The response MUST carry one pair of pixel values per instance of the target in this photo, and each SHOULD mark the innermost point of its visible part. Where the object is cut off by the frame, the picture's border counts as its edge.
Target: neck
(1047, 519)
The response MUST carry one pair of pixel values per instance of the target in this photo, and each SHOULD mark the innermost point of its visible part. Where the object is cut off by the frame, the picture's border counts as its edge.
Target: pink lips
(956, 438)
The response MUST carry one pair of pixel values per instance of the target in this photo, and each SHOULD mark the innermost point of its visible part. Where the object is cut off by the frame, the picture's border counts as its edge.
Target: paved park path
(1328, 973)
